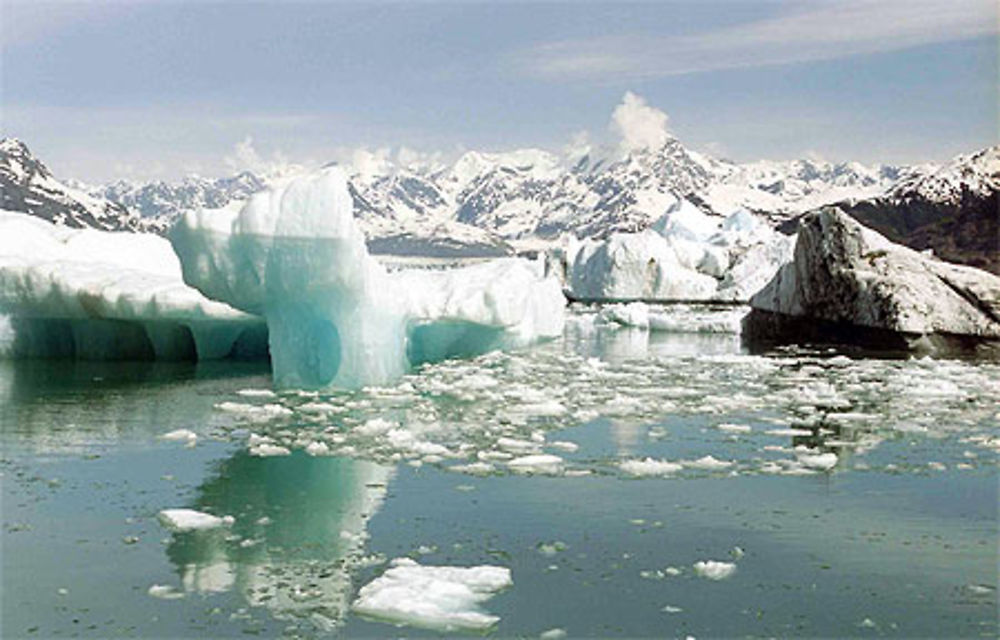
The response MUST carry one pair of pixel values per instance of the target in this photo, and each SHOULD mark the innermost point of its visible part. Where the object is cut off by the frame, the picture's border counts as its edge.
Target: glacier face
(336, 317)
(88, 294)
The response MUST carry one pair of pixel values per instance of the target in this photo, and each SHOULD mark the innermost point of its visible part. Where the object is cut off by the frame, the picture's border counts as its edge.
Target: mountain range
(489, 203)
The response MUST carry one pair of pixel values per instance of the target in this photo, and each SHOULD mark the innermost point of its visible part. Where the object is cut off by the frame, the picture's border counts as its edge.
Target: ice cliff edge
(336, 317)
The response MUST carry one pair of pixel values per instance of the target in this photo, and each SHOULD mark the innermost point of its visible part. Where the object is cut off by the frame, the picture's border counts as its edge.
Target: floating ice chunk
(253, 412)
(553, 634)
(708, 463)
(649, 467)
(336, 317)
(165, 592)
(788, 433)
(96, 295)
(937, 466)
(474, 468)
(317, 448)
(671, 609)
(564, 445)
(550, 549)
(319, 407)
(517, 446)
(734, 428)
(820, 461)
(181, 520)
(256, 393)
(714, 569)
(441, 598)
(540, 463)
(180, 435)
(266, 449)
(635, 314)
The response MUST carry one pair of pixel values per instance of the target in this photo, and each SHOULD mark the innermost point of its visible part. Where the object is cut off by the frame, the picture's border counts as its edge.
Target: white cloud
(639, 125)
(245, 157)
(820, 30)
(579, 145)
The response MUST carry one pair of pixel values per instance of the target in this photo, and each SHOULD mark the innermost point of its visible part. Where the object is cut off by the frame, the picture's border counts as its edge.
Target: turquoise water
(897, 538)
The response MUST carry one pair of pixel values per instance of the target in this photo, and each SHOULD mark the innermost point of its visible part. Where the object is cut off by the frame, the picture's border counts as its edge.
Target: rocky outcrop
(953, 210)
(850, 284)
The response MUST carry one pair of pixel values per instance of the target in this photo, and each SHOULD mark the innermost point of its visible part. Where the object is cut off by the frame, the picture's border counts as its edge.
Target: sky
(156, 90)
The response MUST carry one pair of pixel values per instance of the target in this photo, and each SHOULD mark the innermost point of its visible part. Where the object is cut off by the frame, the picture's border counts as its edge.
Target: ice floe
(650, 467)
(441, 598)
(714, 569)
(182, 520)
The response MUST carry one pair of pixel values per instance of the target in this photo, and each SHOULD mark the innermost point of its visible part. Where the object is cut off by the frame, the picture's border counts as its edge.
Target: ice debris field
(511, 412)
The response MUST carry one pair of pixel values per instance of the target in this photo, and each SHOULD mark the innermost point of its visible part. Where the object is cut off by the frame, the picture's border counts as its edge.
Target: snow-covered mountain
(785, 189)
(953, 210)
(482, 202)
(163, 200)
(489, 198)
(27, 186)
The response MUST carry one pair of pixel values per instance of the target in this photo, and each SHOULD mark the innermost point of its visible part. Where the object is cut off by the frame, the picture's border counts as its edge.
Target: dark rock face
(848, 284)
(954, 211)
(966, 232)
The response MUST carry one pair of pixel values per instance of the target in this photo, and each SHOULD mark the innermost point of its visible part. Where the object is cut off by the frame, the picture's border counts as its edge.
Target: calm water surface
(897, 536)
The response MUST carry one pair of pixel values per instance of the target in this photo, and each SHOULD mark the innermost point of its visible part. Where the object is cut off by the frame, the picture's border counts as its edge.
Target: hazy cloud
(639, 125)
(821, 30)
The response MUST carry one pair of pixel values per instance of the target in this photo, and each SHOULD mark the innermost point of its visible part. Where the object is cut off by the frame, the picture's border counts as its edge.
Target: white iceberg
(442, 598)
(336, 317)
(99, 295)
(182, 520)
(848, 283)
(687, 255)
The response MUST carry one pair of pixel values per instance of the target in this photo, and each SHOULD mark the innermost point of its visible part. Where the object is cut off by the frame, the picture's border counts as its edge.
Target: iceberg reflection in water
(299, 533)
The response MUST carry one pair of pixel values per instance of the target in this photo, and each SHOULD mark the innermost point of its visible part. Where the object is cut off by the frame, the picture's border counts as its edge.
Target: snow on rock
(440, 598)
(686, 255)
(848, 283)
(100, 295)
(181, 520)
(336, 317)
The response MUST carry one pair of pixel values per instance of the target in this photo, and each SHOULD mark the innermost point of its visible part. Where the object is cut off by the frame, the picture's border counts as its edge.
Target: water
(894, 535)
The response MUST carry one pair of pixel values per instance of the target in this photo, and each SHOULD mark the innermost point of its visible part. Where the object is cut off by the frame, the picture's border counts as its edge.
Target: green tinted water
(898, 539)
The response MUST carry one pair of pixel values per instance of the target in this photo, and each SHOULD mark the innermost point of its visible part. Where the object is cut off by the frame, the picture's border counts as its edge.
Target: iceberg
(686, 255)
(850, 284)
(439, 598)
(336, 317)
(98, 295)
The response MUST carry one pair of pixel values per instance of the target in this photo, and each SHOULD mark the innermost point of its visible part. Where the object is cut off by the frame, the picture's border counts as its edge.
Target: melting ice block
(336, 317)
(99, 295)
(444, 598)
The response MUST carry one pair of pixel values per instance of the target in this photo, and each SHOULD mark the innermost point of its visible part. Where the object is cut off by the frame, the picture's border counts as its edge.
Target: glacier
(686, 255)
(98, 295)
(336, 317)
